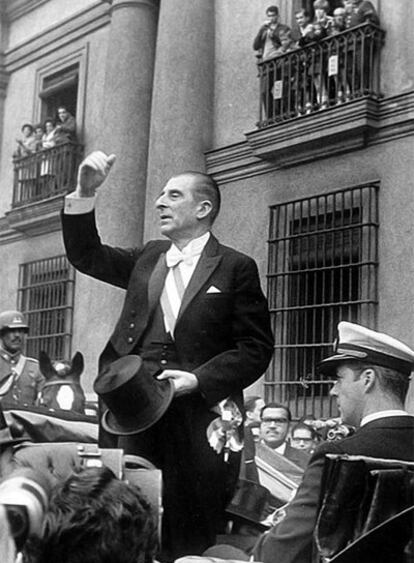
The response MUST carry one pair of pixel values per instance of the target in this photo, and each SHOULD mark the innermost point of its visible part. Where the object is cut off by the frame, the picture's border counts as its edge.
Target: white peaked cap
(356, 342)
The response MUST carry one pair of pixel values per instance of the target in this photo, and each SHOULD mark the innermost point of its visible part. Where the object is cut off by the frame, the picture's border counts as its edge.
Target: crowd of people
(50, 133)
(40, 169)
(308, 88)
(193, 333)
(275, 38)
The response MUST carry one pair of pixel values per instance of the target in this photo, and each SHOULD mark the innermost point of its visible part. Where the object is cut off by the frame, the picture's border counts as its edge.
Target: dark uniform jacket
(27, 383)
(291, 540)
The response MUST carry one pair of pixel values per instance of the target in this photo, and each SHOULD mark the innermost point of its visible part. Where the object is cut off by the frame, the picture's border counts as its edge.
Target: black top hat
(250, 501)
(135, 398)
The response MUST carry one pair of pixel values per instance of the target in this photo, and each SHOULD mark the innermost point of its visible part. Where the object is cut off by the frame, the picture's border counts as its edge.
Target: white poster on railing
(333, 65)
(277, 89)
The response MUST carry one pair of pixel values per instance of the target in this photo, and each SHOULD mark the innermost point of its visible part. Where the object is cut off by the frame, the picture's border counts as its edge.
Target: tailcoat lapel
(209, 260)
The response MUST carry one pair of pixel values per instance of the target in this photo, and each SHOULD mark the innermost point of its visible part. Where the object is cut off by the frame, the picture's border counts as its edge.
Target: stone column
(182, 107)
(4, 75)
(126, 118)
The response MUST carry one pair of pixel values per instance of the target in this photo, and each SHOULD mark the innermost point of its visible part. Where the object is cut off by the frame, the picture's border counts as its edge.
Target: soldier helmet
(10, 320)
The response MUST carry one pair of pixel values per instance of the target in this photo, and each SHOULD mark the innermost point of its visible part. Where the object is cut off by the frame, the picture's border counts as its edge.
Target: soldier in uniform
(20, 376)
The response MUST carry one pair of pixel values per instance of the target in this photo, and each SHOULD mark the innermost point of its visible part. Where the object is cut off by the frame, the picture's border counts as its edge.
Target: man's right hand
(92, 172)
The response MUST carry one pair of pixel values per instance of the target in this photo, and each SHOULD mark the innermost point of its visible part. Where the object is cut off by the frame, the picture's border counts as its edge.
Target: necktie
(171, 302)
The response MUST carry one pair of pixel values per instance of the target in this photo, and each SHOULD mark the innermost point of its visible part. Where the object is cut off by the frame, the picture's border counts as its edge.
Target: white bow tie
(175, 256)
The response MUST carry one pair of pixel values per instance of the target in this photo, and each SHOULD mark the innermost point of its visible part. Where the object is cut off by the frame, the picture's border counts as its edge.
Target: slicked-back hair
(206, 188)
(277, 406)
(391, 381)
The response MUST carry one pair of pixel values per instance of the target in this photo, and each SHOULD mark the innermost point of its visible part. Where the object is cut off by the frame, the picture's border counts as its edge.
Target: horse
(62, 389)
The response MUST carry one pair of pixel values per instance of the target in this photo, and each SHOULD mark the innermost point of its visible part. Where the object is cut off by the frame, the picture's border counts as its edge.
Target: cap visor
(328, 365)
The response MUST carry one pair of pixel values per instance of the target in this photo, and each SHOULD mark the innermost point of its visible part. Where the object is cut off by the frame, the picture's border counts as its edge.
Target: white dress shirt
(383, 414)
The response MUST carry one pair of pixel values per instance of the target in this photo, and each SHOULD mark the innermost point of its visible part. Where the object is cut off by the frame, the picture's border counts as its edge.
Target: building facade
(320, 198)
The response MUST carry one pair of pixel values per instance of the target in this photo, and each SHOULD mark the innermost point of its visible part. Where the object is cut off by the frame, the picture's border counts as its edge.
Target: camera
(25, 495)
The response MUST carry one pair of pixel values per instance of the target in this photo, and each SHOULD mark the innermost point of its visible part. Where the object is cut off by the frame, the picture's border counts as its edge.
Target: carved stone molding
(14, 9)
(337, 130)
(36, 218)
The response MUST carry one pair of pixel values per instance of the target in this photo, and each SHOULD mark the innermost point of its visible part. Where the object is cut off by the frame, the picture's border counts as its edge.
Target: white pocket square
(213, 289)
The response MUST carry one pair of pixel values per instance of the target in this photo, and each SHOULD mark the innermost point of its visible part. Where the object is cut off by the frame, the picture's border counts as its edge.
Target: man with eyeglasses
(303, 437)
(275, 421)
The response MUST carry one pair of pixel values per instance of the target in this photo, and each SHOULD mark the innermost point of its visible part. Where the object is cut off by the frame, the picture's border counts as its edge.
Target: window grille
(322, 268)
(46, 293)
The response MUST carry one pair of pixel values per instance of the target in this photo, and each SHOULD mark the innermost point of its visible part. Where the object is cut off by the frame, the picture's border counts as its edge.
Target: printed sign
(333, 65)
(277, 89)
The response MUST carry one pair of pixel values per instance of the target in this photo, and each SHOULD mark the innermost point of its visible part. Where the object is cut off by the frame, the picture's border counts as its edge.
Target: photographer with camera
(24, 496)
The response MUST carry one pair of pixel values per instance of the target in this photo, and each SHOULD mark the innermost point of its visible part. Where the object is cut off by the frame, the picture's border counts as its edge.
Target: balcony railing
(335, 70)
(46, 173)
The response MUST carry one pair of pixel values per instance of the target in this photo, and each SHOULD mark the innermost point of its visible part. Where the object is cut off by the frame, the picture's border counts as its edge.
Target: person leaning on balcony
(372, 372)
(38, 134)
(305, 29)
(339, 21)
(362, 51)
(359, 12)
(267, 44)
(65, 127)
(321, 8)
(267, 40)
(27, 144)
(49, 161)
(318, 62)
(49, 137)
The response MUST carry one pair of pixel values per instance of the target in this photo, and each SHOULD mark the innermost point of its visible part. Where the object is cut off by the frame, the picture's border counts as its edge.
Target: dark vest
(156, 346)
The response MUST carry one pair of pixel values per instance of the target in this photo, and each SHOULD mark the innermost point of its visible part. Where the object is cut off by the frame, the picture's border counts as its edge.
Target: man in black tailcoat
(211, 343)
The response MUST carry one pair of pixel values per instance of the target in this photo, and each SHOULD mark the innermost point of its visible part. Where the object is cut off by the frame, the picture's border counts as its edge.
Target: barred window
(46, 292)
(322, 268)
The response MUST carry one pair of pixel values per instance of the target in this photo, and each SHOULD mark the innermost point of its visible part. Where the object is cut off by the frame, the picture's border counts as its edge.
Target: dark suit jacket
(291, 540)
(223, 337)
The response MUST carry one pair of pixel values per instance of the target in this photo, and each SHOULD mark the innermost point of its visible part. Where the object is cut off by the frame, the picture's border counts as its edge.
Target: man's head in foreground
(371, 371)
(95, 517)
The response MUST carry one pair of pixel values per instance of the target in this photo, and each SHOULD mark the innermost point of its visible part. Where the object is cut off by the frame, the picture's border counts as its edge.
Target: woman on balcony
(47, 167)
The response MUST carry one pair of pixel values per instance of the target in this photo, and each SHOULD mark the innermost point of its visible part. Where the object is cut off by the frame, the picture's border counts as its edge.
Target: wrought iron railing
(46, 296)
(323, 74)
(322, 269)
(45, 173)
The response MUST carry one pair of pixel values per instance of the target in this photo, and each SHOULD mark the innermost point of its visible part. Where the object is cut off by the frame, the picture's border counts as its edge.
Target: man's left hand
(184, 381)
